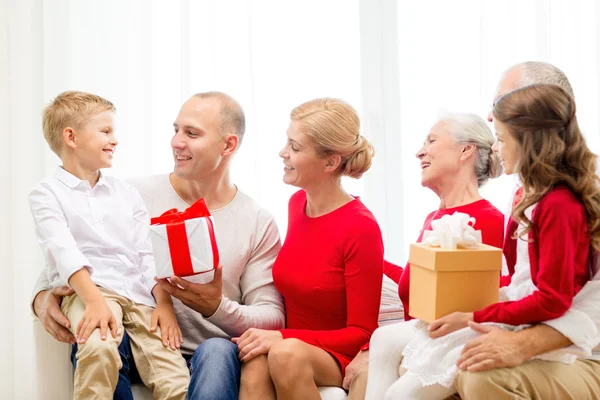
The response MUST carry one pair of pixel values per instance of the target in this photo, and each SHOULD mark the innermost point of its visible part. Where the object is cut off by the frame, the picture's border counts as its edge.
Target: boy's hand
(164, 316)
(97, 314)
(449, 323)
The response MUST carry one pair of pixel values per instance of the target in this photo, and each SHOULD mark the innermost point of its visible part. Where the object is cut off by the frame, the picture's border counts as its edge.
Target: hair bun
(360, 160)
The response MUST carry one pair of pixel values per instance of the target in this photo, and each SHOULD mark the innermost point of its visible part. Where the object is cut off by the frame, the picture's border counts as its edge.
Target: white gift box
(184, 243)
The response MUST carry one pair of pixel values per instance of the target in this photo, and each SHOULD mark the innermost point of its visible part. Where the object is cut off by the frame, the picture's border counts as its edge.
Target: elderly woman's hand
(449, 323)
(358, 364)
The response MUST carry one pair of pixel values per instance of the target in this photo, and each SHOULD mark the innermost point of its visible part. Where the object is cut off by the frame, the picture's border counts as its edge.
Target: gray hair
(470, 128)
(536, 72)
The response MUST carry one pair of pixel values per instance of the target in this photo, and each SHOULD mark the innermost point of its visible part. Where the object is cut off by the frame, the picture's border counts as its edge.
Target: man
(207, 132)
(498, 364)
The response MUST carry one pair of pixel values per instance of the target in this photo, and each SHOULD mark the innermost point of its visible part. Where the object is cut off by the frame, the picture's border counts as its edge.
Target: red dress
(488, 219)
(329, 272)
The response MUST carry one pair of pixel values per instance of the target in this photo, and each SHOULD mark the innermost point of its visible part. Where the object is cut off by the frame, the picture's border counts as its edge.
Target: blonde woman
(329, 269)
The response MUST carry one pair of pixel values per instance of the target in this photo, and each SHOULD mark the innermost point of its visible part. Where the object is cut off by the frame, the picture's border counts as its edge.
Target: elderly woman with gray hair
(456, 160)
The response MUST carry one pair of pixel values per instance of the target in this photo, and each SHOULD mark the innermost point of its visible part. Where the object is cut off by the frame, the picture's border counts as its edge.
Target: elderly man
(207, 133)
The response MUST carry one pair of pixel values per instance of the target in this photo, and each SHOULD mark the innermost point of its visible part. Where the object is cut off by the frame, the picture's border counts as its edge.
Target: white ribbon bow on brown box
(452, 231)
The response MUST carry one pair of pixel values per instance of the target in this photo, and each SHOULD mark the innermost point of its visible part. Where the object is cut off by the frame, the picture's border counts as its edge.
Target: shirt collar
(73, 182)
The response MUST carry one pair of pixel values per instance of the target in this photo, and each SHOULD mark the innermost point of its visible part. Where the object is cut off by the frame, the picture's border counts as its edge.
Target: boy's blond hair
(70, 109)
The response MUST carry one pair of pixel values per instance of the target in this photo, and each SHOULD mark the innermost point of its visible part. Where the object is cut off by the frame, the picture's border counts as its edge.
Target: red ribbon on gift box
(177, 236)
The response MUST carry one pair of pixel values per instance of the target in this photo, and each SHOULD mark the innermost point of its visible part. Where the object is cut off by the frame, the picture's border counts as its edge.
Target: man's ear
(468, 151)
(68, 137)
(232, 142)
(332, 163)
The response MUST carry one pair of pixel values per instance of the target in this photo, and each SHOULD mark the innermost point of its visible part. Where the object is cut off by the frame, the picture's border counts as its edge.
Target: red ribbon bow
(177, 236)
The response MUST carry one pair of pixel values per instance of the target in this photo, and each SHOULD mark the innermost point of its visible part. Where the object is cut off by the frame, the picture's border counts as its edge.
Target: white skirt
(434, 360)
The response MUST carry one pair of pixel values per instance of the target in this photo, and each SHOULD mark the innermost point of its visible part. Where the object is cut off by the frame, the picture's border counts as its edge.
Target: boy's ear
(68, 136)
(333, 162)
(231, 144)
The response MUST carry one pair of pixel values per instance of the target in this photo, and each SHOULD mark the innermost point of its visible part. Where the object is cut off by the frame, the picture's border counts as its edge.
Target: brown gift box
(443, 281)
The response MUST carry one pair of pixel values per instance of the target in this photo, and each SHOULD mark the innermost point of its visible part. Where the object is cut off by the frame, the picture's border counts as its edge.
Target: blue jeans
(214, 369)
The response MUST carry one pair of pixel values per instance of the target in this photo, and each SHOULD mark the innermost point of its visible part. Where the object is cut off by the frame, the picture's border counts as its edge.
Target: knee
(214, 350)
(377, 340)
(378, 335)
(381, 338)
(99, 351)
(214, 368)
(286, 358)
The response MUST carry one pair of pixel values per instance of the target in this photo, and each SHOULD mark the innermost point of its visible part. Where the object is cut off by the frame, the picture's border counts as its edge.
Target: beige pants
(163, 370)
(535, 379)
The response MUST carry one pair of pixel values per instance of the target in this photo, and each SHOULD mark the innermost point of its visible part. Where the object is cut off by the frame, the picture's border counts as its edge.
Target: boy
(93, 230)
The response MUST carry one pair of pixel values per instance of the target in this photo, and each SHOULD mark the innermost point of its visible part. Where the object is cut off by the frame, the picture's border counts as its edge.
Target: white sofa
(140, 392)
(55, 375)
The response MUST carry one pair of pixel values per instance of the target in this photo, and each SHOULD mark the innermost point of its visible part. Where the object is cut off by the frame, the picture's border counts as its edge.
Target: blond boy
(93, 230)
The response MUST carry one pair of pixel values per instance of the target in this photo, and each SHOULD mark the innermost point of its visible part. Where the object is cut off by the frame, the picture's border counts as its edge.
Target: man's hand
(203, 298)
(449, 323)
(46, 306)
(495, 348)
(255, 342)
(359, 363)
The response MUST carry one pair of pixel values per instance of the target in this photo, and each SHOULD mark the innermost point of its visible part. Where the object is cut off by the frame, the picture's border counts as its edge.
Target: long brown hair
(552, 150)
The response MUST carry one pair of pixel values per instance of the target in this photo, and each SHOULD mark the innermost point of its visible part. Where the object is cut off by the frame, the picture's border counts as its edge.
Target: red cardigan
(558, 255)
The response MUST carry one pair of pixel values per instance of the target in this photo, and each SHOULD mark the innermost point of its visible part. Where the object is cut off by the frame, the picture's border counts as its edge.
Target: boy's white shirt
(103, 229)
(248, 242)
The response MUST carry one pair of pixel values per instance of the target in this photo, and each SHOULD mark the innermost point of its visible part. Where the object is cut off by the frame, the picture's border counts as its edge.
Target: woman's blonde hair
(552, 150)
(334, 127)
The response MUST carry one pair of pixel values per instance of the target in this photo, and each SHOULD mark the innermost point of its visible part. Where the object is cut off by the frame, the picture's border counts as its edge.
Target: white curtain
(450, 56)
(398, 63)
(148, 57)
